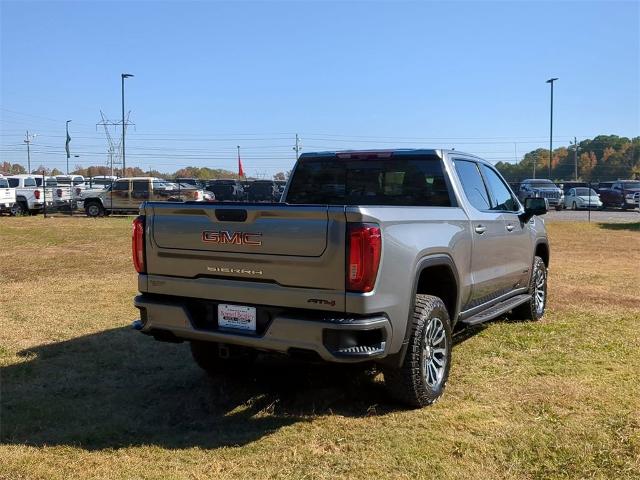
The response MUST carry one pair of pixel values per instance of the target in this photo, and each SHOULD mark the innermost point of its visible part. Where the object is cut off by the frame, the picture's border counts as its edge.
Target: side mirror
(534, 206)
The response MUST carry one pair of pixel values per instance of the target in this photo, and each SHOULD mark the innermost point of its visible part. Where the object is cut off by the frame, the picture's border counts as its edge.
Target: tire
(94, 209)
(558, 207)
(215, 358)
(421, 378)
(19, 208)
(534, 308)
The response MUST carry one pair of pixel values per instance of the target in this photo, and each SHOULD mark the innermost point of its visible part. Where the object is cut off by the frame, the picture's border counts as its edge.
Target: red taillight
(137, 244)
(363, 155)
(365, 246)
(59, 193)
(36, 193)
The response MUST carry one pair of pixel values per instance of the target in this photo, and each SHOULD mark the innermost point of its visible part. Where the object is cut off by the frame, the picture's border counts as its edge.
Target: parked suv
(623, 194)
(226, 190)
(263, 191)
(534, 188)
(372, 256)
(126, 194)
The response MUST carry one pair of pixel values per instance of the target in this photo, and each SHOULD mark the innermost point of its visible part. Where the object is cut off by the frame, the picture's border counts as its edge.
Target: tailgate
(7, 195)
(290, 245)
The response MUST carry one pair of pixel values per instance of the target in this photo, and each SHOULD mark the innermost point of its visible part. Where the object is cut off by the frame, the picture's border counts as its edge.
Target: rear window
(4, 183)
(29, 182)
(415, 181)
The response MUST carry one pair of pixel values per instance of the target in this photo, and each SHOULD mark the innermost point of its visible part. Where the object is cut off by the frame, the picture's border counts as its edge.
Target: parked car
(533, 188)
(372, 256)
(566, 186)
(263, 191)
(191, 181)
(7, 196)
(623, 194)
(126, 194)
(582, 197)
(30, 199)
(226, 190)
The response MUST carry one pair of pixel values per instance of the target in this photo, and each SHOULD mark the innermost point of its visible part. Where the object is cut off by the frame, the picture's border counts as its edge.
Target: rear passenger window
(29, 182)
(472, 183)
(502, 199)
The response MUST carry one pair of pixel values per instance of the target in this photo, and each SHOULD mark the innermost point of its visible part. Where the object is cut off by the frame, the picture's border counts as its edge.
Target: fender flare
(428, 261)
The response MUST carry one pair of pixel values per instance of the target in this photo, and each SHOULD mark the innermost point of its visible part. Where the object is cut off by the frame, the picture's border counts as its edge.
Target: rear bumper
(333, 338)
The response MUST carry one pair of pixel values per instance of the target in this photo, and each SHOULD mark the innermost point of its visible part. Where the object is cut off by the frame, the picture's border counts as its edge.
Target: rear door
(139, 193)
(488, 263)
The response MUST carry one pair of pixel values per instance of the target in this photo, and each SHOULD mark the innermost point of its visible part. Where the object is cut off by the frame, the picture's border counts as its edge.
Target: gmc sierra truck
(370, 256)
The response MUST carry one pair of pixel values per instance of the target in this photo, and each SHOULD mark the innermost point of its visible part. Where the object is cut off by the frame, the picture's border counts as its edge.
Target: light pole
(67, 146)
(550, 81)
(124, 163)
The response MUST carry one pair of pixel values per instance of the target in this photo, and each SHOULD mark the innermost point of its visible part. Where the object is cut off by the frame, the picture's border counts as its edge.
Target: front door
(488, 231)
(119, 195)
(516, 244)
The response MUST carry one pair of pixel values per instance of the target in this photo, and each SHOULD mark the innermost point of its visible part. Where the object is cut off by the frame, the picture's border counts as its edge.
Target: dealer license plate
(237, 316)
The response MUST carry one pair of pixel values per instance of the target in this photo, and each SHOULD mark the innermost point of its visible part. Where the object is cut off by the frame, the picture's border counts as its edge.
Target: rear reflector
(137, 244)
(365, 247)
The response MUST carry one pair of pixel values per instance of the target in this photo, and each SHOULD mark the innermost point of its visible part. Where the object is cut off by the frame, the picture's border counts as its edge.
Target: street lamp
(550, 81)
(67, 146)
(124, 163)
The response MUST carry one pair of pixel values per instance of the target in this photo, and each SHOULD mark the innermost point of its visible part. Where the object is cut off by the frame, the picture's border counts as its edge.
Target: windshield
(585, 192)
(413, 181)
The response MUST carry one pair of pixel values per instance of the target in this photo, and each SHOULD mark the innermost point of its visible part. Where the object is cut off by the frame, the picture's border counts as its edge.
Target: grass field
(83, 396)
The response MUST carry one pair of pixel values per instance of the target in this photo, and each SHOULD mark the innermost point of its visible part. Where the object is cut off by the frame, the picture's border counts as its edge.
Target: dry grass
(85, 397)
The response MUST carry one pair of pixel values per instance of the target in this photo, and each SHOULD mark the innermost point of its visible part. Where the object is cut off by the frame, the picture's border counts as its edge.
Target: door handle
(510, 228)
(480, 229)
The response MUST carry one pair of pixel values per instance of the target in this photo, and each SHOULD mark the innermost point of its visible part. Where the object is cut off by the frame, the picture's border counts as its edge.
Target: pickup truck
(30, 199)
(371, 256)
(7, 196)
(544, 188)
(126, 194)
(623, 194)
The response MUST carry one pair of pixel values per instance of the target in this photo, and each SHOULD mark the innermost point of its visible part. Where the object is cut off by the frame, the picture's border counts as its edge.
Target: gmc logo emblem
(233, 238)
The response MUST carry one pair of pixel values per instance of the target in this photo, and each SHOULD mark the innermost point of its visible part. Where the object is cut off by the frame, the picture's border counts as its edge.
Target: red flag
(240, 170)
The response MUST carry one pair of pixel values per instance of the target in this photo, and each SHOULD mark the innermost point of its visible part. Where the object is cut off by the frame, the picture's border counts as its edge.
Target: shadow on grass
(118, 388)
(632, 227)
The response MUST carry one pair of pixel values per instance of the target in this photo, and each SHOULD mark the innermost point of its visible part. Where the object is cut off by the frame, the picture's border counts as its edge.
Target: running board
(497, 310)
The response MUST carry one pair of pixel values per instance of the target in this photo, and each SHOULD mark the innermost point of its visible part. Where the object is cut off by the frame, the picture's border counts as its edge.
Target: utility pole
(550, 81)
(575, 159)
(68, 139)
(298, 147)
(28, 139)
(124, 125)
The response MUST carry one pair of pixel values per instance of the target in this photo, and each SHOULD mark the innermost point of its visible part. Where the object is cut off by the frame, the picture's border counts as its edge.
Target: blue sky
(210, 76)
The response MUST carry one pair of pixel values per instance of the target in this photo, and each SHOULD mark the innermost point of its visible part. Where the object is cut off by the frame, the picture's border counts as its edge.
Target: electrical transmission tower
(114, 151)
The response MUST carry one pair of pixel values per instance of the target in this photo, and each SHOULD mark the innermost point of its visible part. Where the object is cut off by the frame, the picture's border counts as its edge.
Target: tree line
(605, 157)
